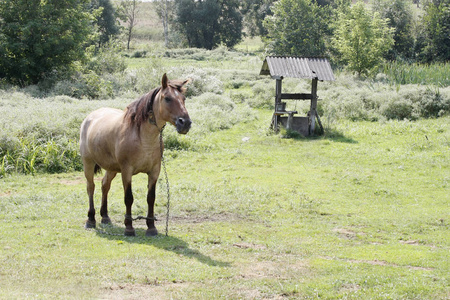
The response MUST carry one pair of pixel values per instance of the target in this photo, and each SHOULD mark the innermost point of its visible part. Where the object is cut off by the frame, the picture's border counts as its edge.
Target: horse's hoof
(106, 220)
(89, 224)
(130, 232)
(151, 232)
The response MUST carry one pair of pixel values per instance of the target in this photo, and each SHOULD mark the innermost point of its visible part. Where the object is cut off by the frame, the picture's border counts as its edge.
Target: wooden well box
(314, 68)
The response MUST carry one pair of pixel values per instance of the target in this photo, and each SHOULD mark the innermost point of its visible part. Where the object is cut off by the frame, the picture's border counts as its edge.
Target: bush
(398, 109)
(434, 103)
(202, 80)
(372, 100)
(89, 85)
(106, 59)
(264, 95)
(214, 112)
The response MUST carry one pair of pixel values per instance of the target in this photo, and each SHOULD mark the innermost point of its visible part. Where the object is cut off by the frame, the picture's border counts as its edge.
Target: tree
(297, 27)
(105, 20)
(400, 17)
(128, 11)
(207, 23)
(361, 39)
(254, 12)
(230, 23)
(40, 37)
(164, 9)
(436, 22)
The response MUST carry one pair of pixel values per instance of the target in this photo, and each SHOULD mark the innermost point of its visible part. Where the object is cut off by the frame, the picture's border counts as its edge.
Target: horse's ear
(184, 85)
(164, 81)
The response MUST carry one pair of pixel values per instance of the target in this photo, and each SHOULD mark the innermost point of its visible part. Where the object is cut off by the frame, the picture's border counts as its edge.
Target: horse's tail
(97, 169)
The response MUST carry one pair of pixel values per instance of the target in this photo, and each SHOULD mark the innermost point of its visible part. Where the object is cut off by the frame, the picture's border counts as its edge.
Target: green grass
(361, 212)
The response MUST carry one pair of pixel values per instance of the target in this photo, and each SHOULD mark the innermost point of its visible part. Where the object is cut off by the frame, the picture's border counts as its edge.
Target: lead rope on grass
(166, 177)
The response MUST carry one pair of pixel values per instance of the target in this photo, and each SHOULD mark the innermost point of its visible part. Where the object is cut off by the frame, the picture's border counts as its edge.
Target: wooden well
(313, 68)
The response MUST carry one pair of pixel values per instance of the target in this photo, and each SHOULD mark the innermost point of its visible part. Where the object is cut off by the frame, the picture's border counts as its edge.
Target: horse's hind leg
(151, 195)
(126, 180)
(89, 170)
(106, 185)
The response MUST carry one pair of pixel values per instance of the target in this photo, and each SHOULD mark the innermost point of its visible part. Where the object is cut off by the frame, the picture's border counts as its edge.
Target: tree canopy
(436, 23)
(106, 20)
(297, 27)
(361, 38)
(208, 23)
(39, 37)
(400, 17)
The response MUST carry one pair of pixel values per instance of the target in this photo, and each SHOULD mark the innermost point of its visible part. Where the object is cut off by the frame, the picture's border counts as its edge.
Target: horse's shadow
(161, 241)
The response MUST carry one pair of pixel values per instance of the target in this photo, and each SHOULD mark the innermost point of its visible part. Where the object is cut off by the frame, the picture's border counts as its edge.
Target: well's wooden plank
(296, 96)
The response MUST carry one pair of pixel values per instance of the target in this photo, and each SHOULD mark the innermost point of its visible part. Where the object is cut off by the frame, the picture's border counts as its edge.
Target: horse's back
(99, 132)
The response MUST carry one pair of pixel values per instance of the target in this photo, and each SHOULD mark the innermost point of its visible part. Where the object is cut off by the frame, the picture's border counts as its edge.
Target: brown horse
(128, 142)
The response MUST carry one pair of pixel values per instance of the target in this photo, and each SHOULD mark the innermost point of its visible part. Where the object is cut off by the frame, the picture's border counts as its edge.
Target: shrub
(217, 112)
(202, 80)
(434, 104)
(372, 100)
(106, 59)
(398, 109)
(139, 54)
(241, 96)
(89, 85)
(173, 141)
(264, 95)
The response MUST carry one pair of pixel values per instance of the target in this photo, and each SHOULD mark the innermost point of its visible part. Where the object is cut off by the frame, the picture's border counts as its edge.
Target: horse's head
(171, 104)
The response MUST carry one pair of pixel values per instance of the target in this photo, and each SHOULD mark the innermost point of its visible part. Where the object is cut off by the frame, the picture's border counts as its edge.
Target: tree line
(41, 38)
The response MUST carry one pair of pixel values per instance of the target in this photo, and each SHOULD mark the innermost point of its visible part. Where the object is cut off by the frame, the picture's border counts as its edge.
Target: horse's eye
(167, 99)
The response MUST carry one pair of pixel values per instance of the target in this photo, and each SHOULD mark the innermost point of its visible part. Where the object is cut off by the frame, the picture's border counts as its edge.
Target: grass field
(362, 212)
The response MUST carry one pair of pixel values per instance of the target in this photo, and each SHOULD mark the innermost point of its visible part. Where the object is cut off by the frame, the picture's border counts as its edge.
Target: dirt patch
(346, 233)
(249, 246)
(410, 242)
(157, 290)
(5, 194)
(349, 288)
(282, 267)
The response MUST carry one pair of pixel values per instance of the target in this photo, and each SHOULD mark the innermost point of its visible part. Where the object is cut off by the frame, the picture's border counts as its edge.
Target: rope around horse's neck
(152, 120)
(166, 177)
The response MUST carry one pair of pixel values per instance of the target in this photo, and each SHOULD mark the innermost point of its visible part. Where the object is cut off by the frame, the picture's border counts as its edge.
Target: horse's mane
(139, 111)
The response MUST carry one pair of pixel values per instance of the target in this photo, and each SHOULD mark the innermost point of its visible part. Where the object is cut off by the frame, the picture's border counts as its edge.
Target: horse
(128, 142)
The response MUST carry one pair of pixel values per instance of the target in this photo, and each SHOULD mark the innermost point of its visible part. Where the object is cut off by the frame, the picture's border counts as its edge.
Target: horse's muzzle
(183, 125)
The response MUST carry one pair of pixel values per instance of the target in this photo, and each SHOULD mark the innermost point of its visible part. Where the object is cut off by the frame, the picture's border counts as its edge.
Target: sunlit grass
(360, 213)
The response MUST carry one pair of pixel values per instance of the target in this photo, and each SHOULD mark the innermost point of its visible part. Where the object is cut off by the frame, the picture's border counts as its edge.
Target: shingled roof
(297, 67)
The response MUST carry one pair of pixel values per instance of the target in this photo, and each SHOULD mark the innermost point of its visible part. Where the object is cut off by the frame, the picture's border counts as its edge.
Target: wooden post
(278, 92)
(312, 112)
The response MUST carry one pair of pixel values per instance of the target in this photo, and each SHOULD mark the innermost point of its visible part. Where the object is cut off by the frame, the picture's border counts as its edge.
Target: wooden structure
(314, 68)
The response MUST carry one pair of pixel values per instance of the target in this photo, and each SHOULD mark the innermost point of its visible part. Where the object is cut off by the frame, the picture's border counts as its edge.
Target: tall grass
(28, 156)
(433, 74)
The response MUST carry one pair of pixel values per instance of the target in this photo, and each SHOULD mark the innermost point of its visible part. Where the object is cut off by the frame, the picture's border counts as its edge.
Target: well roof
(297, 67)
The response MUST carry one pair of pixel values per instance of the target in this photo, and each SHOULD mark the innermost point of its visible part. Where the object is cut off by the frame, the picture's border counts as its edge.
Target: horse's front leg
(126, 180)
(151, 196)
